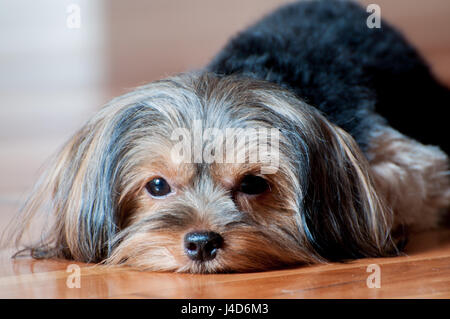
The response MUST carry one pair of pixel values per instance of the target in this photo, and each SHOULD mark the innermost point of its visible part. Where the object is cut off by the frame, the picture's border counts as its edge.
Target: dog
(352, 175)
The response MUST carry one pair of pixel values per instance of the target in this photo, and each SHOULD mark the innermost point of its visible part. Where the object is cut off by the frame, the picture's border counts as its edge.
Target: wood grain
(423, 273)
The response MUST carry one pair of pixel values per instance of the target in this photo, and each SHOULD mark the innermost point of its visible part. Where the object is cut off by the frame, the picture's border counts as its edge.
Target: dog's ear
(78, 195)
(343, 216)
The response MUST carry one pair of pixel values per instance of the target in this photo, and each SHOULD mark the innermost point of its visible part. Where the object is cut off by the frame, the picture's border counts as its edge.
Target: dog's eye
(158, 187)
(253, 185)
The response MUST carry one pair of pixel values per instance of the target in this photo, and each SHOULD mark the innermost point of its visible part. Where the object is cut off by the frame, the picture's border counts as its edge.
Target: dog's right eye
(158, 187)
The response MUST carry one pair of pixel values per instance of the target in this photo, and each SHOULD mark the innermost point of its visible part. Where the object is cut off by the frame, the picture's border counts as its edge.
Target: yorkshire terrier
(352, 171)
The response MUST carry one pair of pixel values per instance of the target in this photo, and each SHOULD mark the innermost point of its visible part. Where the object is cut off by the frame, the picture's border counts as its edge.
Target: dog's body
(369, 81)
(118, 196)
(359, 77)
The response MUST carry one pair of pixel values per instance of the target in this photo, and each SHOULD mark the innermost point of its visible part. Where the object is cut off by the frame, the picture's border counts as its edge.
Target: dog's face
(123, 192)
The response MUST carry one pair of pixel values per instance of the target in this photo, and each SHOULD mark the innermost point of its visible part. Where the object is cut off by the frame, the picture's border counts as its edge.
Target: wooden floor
(424, 273)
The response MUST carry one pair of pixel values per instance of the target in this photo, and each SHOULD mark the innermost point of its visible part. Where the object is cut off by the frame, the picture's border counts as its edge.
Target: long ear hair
(343, 216)
(78, 192)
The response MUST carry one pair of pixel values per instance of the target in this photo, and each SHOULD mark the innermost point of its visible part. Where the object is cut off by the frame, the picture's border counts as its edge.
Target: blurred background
(61, 60)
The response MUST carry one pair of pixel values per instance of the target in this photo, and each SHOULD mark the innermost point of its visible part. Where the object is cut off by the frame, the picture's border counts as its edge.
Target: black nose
(202, 246)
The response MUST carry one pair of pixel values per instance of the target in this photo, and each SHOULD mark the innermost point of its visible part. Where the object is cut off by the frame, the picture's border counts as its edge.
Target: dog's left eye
(253, 185)
(158, 187)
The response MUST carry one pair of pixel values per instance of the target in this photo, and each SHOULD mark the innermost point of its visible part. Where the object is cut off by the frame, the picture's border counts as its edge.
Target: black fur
(326, 54)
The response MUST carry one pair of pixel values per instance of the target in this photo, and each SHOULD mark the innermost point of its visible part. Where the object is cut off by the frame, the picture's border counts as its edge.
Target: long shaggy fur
(346, 183)
(359, 77)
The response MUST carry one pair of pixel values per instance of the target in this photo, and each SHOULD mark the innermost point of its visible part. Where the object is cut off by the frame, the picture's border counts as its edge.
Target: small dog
(344, 183)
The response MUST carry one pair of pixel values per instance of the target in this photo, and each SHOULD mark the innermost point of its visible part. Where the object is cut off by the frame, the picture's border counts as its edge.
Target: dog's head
(151, 181)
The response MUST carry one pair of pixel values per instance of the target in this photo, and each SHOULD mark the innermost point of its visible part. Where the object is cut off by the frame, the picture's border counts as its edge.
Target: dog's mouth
(237, 247)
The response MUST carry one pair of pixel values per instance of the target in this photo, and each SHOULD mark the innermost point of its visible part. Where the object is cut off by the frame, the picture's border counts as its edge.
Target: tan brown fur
(413, 178)
(324, 202)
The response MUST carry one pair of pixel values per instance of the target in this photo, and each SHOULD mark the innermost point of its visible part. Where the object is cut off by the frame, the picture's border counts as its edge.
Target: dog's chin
(244, 250)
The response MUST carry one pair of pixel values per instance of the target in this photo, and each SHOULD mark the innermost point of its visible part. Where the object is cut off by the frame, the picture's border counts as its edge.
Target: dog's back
(325, 52)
